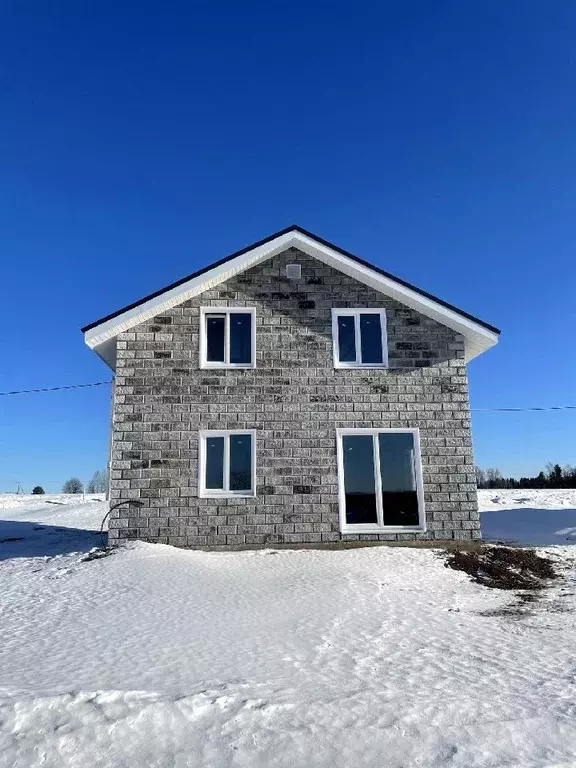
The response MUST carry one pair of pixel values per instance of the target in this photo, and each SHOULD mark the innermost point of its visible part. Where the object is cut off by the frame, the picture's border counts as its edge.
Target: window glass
(215, 331)
(399, 497)
(371, 338)
(346, 339)
(359, 484)
(214, 462)
(240, 337)
(240, 462)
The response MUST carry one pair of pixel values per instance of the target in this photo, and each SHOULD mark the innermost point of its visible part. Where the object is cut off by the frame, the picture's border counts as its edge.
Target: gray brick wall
(296, 400)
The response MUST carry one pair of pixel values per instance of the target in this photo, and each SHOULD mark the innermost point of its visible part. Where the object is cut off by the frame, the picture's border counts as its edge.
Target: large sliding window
(227, 337)
(227, 463)
(380, 480)
(359, 338)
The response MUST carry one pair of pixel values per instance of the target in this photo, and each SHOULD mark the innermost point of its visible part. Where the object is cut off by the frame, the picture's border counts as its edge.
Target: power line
(54, 389)
(519, 410)
(109, 381)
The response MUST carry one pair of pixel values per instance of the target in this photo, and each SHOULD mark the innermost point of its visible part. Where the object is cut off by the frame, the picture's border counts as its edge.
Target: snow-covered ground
(32, 525)
(529, 517)
(497, 500)
(160, 657)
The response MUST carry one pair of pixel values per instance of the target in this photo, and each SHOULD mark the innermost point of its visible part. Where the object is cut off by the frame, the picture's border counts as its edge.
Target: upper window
(227, 463)
(227, 337)
(380, 480)
(359, 337)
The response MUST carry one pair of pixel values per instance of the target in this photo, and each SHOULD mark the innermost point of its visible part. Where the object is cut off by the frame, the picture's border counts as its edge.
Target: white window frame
(379, 527)
(336, 313)
(226, 311)
(223, 493)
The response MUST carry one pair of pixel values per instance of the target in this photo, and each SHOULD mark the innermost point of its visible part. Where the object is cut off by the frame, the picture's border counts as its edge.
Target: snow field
(529, 517)
(539, 498)
(368, 657)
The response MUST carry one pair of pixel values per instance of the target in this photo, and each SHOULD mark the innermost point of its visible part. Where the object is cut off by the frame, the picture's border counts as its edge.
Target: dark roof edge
(301, 230)
(214, 264)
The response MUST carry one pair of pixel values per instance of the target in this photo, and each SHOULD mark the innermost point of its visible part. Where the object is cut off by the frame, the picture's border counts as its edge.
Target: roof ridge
(270, 238)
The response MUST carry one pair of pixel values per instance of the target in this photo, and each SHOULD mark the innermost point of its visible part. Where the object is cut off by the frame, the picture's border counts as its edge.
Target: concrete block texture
(295, 400)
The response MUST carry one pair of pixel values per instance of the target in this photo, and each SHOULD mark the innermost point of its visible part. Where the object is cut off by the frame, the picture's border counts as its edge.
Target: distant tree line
(97, 484)
(553, 476)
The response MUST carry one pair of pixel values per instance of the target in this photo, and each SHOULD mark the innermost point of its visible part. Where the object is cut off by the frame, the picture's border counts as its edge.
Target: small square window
(227, 337)
(227, 463)
(359, 338)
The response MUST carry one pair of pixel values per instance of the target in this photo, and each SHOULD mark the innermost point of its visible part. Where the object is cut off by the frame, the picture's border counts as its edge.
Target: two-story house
(291, 393)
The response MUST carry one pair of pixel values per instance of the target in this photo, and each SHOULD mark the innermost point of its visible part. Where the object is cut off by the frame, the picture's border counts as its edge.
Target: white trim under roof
(100, 338)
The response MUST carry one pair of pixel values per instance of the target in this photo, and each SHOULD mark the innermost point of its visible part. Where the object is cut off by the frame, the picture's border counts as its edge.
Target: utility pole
(19, 489)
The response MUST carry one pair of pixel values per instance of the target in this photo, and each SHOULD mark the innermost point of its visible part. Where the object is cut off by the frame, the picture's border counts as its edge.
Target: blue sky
(140, 141)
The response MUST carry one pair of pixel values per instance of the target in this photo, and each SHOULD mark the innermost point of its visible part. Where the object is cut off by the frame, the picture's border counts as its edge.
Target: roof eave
(479, 335)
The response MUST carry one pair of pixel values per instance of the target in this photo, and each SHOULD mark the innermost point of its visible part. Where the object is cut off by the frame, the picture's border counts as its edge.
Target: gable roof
(101, 334)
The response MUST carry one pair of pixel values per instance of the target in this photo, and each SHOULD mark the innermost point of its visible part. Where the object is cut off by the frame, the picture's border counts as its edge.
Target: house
(291, 393)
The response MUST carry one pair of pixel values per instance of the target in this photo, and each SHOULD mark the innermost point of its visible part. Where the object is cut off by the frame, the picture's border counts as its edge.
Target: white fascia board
(109, 329)
(478, 338)
(107, 352)
(101, 338)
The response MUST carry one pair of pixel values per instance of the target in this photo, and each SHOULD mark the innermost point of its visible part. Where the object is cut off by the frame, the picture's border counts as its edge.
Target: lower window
(227, 463)
(380, 480)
